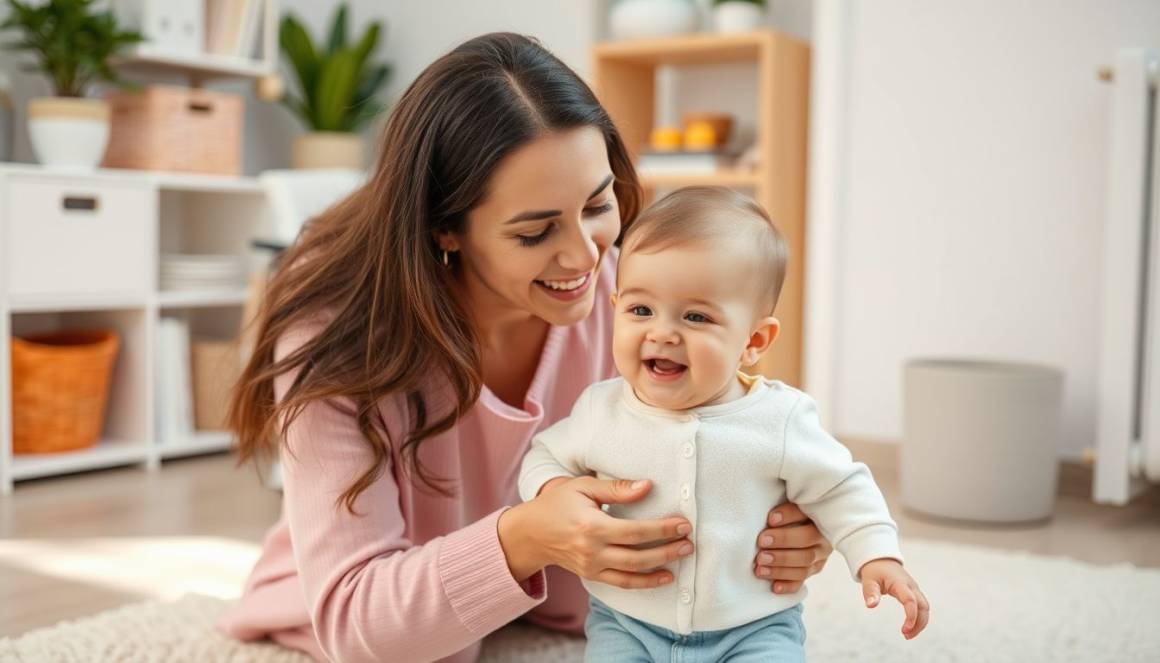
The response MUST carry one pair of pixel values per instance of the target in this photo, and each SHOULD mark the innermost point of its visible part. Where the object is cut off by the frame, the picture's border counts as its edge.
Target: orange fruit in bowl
(700, 136)
(665, 139)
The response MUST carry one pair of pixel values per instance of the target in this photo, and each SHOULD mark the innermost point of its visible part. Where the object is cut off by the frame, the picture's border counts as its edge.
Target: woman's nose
(580, 252)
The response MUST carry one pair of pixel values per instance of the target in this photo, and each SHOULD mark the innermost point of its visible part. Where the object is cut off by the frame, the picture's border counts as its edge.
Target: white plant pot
(327, 149)
(737, 17)
(68, 132)
(639, 19)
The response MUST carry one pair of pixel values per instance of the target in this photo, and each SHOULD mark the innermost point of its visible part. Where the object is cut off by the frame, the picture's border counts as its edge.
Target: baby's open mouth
(664, 368)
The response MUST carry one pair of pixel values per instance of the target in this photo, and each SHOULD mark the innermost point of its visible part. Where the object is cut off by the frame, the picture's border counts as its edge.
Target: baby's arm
(559, 450)
(840, 496)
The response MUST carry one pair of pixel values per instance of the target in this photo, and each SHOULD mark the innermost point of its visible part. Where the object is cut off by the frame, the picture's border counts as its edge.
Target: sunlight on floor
(158, 567)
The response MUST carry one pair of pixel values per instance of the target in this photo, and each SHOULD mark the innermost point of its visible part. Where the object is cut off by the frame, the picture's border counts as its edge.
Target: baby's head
(699, 276)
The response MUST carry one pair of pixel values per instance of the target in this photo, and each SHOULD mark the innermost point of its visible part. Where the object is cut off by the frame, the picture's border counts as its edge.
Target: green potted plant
(72, 42)
(738, 15)
(338, 88)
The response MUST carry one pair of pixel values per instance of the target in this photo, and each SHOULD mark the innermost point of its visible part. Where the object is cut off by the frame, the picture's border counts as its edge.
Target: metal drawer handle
(84, 203)
(200, 106)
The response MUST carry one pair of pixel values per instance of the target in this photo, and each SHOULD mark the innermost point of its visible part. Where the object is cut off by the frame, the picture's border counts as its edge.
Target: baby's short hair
(698, 214)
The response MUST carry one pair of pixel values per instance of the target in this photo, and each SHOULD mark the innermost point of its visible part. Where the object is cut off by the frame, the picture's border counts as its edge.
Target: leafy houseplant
(338, 87)
(73, 42)
(737, 15)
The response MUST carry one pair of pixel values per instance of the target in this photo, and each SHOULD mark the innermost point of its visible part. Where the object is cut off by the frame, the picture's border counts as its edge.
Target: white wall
(970, 163)
(416, 33)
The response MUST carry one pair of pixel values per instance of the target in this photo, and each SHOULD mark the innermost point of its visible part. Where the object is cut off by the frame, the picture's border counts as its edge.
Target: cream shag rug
(987, 605)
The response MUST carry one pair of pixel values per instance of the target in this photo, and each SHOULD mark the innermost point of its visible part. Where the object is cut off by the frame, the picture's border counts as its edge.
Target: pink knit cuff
(477, 580)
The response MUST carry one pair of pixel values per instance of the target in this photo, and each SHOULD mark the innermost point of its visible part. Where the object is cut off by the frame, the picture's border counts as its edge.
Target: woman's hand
(790, 550)
(565, 526)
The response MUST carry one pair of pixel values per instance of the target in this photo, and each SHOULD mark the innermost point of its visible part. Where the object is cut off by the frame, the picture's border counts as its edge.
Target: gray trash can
(981, 439)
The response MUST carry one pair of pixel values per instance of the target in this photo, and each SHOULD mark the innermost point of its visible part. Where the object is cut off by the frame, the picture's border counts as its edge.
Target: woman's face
(535, 241)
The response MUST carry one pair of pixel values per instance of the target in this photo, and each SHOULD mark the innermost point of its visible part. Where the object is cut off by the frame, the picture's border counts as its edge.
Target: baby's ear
(765, 332)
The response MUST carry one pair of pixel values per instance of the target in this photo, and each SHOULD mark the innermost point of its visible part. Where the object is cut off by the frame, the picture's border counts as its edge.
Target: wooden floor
(73, 546)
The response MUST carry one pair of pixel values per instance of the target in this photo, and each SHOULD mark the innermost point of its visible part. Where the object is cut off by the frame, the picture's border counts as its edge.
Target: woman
(421, 332)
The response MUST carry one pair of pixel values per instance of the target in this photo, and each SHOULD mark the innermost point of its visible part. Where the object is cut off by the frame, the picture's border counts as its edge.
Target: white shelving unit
(81, 249)
(155, 57)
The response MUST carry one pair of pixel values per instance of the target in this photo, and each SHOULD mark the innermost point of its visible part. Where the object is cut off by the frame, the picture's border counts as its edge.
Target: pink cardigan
(419, 576)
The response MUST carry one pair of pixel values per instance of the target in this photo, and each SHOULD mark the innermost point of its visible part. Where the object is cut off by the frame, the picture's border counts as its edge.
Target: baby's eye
(696, 317)
(640, 310)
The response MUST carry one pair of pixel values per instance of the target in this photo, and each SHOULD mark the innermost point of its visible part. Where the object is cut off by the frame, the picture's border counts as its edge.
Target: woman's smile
(567, 290)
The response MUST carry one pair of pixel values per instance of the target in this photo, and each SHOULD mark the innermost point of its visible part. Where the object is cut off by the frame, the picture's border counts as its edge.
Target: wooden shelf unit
(624, 77)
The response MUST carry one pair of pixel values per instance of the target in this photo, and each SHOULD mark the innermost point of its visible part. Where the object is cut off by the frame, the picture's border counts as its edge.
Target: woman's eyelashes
(601, 209)
(526, 240)
(533, 240)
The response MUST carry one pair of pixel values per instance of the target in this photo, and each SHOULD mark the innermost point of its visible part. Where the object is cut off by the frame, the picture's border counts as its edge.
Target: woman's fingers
(795, 536)
(785, 569)
(785, 514)
(803, 557)
(786, 587)
(636, 532)
(789, 573)
(634, 580)
(648, 559)
(613, 491)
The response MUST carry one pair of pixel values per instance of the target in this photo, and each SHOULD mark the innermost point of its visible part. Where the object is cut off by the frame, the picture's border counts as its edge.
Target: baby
(698, 278)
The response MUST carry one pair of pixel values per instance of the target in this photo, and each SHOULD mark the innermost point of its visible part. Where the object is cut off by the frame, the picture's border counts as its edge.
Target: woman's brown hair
(370, 264)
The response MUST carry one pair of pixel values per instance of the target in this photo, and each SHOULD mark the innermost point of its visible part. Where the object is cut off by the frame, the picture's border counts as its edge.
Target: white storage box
(77, 236)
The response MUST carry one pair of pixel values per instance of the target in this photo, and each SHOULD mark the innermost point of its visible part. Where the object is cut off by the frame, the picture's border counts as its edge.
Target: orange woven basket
(60, 385)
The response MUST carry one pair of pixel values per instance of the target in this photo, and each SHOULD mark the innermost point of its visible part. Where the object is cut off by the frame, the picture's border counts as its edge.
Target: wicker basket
(216, 367)
(170, 128)
(60, 385)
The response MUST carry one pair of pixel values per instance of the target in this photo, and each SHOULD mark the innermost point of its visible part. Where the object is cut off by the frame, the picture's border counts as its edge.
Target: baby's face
(684, 316)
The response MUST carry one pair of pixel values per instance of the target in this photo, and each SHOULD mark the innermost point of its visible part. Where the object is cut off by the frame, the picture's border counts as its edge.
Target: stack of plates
(202, 272)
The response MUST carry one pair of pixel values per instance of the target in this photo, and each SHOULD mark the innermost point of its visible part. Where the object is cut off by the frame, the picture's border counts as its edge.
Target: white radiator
(1128, 425)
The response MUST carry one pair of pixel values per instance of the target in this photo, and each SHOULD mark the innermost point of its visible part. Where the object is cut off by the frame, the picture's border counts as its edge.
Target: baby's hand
(887, 576)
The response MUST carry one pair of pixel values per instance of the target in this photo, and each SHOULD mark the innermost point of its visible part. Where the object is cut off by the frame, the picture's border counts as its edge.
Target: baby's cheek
(713, 357)
(624, 351)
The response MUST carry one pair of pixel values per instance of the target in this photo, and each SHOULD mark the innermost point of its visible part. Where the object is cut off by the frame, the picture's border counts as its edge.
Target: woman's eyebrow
(539, 215)
(534, 215)
(603, 185)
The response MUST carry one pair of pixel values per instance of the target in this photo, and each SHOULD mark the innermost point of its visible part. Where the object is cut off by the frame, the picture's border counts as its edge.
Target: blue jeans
(617, 638)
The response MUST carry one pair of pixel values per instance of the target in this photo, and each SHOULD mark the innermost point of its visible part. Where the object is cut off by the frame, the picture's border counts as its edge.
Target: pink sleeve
(370, 591)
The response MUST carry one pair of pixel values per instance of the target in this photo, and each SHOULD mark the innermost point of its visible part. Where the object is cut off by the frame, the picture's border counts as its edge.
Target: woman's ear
(764, 334)
(446, 241)
(612, 298)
